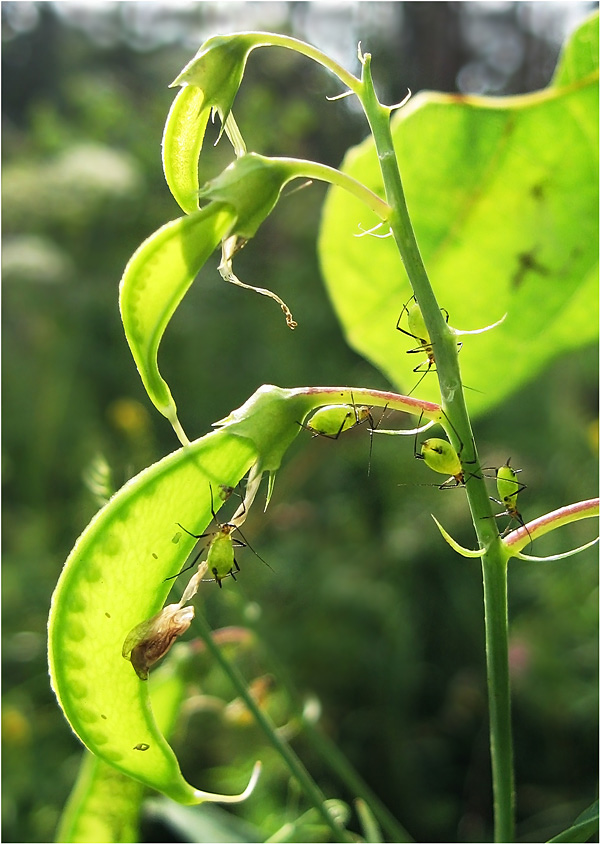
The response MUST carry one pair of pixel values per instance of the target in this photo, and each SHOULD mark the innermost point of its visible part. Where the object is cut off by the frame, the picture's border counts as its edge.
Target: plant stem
(494, 567)
(311, 790)
(460, 434)
(314, 170)
(355, 783)
(277, 40)
(331, 754)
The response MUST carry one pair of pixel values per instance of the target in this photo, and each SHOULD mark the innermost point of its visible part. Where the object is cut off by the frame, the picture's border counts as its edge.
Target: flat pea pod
(105, 805)
(181, 145)
(154, 282)
(114, 579)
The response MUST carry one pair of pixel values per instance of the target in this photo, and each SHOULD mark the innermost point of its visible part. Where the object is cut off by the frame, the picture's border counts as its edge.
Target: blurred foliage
(367, 608)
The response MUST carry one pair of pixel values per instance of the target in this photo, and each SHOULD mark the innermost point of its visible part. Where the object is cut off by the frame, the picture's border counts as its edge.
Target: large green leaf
(503, 195)
(579, 57)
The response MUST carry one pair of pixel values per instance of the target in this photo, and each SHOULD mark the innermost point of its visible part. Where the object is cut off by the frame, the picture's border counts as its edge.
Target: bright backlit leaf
(503, 195)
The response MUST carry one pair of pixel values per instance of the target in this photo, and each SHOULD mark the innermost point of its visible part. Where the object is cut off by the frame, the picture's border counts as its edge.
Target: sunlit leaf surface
(503, 195)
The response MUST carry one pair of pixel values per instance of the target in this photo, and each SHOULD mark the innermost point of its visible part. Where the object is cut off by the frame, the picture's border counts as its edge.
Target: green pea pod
(154, 282)
(87, 816)
(182, 141)
(209, 83)
(114, 579)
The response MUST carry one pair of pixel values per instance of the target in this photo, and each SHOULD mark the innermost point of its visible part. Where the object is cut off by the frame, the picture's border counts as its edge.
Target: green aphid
(418, 331)
(220, 554)
(508, 489)
(441, 456)
(221, 557)
(333, 419)
(220, 547)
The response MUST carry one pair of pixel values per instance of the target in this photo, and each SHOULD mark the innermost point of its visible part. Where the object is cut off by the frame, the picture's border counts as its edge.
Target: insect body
(220, 558)
(442, 457)
(418, 331)
(508, 489)
(221, 545)
(333, 419)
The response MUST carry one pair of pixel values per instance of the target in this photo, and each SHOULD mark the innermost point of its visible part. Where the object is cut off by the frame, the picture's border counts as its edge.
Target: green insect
(333, 419)
(221, 555)
(418, 331)
(508, 488)
(441, 456)
(221, 545)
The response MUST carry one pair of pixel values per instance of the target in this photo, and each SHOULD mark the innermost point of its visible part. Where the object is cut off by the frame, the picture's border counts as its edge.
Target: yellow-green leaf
(503, 196)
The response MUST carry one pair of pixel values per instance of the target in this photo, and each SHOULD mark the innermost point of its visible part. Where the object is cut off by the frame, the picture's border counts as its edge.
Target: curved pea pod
(155, 281)
(98, 785)
(181, 145)
(209, 82)
(113, 580)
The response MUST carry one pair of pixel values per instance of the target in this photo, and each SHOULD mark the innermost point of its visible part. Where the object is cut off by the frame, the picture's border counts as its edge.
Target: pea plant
(109, 624)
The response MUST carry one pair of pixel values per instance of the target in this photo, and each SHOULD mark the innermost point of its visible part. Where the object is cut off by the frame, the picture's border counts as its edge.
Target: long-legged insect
(508, 489)
(221, 544)
(441, 456)
(418, 331)
(334, 419)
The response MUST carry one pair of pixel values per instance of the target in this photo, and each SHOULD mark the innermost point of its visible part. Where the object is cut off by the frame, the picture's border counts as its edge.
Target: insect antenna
(256, 554)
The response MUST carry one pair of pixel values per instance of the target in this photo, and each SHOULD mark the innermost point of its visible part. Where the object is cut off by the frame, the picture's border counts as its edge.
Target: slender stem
(374, 398)
(312, 791)
(355, 783)
(331, 754)
(520, 538)
(276, 40)
(315, 170)
(460, 434)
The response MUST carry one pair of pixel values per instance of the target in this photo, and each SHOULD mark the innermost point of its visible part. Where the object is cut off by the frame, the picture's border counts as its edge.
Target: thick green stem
(311, 790)
(496, 645)
(460, 434)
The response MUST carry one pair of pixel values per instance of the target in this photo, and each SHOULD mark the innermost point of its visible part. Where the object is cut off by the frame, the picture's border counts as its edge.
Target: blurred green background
(367, 608)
